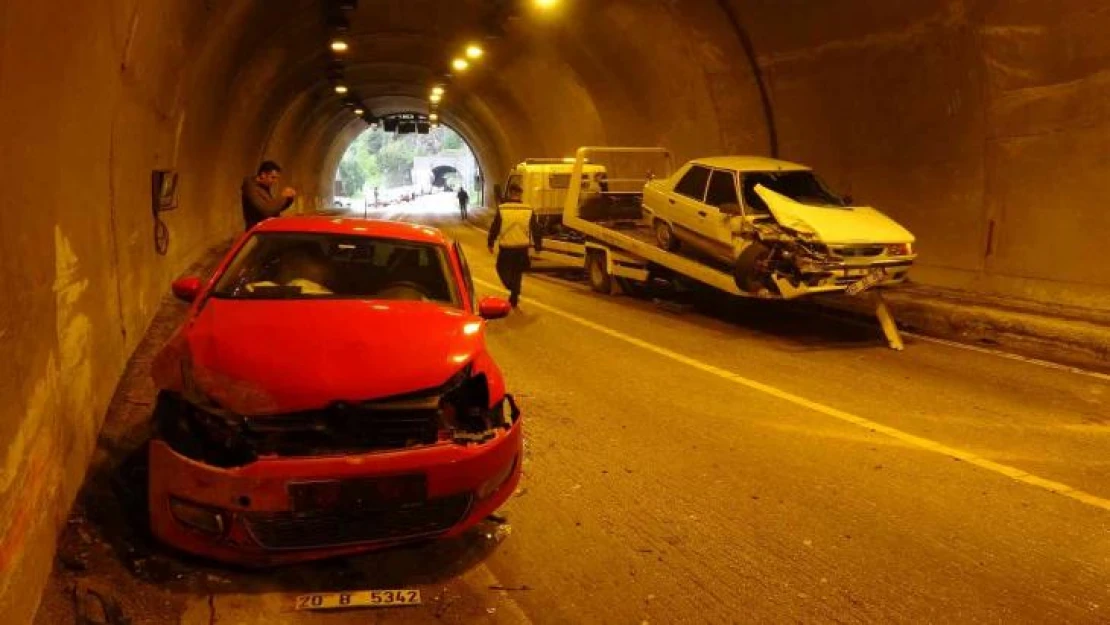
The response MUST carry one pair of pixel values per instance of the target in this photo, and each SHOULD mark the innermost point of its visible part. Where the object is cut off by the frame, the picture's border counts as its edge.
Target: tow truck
(610, 238)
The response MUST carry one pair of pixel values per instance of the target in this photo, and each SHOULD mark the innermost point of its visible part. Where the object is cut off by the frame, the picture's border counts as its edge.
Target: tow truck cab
(545, 182)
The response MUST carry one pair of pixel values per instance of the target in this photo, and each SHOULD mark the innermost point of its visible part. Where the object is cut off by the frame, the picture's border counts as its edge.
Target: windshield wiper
(269, 292)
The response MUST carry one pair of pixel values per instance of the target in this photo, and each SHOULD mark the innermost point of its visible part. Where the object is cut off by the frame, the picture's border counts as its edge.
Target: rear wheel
(664, 235)
(600, 280)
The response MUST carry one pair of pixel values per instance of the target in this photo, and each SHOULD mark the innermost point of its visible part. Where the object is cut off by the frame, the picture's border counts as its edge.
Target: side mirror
(187, 289)
(492, 308)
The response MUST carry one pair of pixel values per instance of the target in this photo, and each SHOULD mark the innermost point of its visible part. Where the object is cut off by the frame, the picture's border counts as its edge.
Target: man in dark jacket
(515, 229)
(464, 199)
(259, 202)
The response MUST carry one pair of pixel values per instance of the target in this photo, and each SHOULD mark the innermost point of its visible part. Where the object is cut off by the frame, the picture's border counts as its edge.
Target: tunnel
(441, 173)
(981, 125)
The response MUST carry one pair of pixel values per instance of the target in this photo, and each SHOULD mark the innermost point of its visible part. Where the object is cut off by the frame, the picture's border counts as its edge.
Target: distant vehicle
(545, 182)
(330, 392)
(760, 215)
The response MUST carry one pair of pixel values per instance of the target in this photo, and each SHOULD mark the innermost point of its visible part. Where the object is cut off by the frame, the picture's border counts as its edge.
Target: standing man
(515, 229)
(258, 197)
(464, 199)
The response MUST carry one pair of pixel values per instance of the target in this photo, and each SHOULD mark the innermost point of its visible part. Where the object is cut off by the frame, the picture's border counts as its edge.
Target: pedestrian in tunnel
(514, 230)
(464, 199)
(259, 201)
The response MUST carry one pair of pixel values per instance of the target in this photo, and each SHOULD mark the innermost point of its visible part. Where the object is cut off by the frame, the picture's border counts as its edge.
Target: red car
(330, 393)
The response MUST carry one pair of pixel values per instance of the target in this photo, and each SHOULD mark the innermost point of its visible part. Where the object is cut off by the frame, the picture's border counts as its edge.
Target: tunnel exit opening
(385, 172)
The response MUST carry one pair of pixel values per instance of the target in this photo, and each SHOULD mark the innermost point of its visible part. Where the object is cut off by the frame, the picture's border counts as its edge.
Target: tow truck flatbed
(626, 249)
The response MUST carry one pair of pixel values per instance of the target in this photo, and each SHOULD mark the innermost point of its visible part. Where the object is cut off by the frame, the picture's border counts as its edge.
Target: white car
(768, 219)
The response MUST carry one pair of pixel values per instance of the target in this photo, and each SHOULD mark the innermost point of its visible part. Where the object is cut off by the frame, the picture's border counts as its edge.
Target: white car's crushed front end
(813, 249)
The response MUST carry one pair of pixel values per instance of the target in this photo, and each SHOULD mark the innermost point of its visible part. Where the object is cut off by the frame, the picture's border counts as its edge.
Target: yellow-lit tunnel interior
(980, 125)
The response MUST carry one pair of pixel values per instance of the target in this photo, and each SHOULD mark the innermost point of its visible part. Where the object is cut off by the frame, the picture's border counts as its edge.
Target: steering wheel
(405, 286)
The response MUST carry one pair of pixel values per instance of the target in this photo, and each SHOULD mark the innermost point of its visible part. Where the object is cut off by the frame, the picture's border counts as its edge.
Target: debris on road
(522, 587)
(672, 307)
(501, 533)
(95, 606)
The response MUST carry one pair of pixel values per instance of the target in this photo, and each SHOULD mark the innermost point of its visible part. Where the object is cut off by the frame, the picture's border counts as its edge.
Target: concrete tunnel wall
(982, 125)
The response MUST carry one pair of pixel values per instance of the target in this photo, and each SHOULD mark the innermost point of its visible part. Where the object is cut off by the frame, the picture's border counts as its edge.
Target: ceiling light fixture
(437, 90)
(359, 112)
(460, 64)
(474, 51)
(341, 89)
(435, 98)
(338, 45)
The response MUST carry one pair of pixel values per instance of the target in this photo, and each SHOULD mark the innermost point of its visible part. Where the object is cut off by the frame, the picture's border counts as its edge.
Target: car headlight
(899, 249)
(465, 411)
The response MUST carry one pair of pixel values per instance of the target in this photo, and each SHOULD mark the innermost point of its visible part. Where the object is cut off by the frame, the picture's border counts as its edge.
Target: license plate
(876, 276)
(358, 599)
(358, 494)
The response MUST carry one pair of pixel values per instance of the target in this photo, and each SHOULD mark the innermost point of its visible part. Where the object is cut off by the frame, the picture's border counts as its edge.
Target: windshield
(800, 186)
(323, 266)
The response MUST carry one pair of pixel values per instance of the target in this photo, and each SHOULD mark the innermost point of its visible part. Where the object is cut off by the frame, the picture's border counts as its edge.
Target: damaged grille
(347, 428)
(334, 528)
(859, 251)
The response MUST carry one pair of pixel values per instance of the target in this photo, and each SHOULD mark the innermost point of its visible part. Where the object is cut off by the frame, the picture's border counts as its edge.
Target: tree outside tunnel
(380, 167)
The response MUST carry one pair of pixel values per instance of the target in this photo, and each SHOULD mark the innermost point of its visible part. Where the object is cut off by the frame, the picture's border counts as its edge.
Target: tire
(598, 275)
(749, 273)
(664, 236)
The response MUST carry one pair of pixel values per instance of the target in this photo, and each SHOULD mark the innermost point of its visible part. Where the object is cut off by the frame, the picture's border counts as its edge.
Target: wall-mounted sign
(164, 189)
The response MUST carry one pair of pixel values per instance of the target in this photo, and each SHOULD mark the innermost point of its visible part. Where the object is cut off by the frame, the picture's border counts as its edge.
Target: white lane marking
(917, 441)
(973, 348)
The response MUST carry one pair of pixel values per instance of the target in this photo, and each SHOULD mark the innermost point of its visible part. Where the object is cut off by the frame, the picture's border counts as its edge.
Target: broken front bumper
(838, 276)
(246, 515)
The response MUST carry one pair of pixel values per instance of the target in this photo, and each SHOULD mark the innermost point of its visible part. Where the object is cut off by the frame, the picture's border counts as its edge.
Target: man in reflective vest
(514, 230)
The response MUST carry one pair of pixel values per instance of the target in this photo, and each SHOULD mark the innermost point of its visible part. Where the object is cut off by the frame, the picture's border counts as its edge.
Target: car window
(326, 266)
(559, 181)
(693, 183)
(800, 186)
(722, 191)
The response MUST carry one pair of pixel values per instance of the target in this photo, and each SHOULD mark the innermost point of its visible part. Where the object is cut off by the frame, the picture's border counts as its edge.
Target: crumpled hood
(854, 224)
(265, 357)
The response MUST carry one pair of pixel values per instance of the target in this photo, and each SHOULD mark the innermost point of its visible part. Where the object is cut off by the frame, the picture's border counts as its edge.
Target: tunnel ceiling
(397, 52)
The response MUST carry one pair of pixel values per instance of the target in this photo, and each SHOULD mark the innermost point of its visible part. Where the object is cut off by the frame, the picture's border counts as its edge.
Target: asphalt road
(755, 464)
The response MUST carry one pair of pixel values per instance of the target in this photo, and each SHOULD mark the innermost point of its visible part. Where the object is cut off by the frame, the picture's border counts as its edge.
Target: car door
(686, 210)
(723, 216)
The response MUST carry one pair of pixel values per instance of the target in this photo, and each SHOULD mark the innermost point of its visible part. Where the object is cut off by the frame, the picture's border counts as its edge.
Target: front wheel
(752, 270)
(664, 235)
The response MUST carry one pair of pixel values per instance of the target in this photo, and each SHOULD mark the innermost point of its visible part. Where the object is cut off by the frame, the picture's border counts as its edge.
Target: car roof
(400, 230)
(749, 163)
